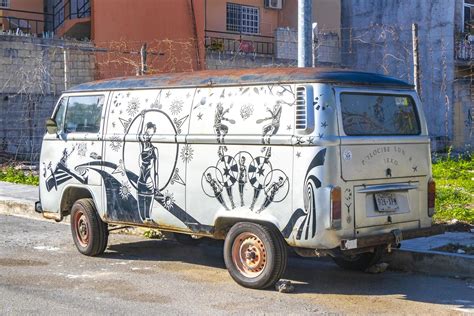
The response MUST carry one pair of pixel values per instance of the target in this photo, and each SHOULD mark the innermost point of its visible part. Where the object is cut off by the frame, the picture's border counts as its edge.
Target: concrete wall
(219, 60)
(31, 80)
(463, 116)
(376, 37)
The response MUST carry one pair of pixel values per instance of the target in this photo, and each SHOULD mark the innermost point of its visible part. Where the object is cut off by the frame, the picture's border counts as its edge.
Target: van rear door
(384, 154)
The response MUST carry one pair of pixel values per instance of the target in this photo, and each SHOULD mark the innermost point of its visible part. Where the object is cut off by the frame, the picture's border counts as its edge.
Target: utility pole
(65, 68)
(304, 33)
(416, 58)
(143, 66)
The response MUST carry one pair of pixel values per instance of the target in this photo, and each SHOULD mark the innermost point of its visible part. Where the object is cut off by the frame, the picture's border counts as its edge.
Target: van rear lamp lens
(431, 197)
(336, 210)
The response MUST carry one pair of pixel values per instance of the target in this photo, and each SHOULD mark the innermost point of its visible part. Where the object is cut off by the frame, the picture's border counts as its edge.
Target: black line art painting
(311, 184)
(243, 158)
(276, 188)
(243, 169)
(148, 181)
(271, 128)
(259, 168)
(246, 111)
(228, 166)
(133, 106)
(62, 173)
(220, 128)
(211, 183)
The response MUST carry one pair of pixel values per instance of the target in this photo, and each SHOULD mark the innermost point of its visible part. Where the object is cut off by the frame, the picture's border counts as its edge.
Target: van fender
(224, 220)
(73, 192)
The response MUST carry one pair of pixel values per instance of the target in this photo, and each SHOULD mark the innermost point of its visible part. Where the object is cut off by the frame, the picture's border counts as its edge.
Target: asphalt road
(41, 272)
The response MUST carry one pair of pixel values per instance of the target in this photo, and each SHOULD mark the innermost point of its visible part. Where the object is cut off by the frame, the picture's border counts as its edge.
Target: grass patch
(454, 178)
(10, 174)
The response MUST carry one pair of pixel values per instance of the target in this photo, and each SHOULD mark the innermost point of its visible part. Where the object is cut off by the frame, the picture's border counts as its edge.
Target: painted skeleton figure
(229, 180)
(148, 180)
(217, 188)
(271, 191)
(220, 129)
(243, 178)
(271, 129)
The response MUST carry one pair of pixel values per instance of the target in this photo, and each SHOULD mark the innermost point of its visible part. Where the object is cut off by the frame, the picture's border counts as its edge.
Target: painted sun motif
(133, 106)
(168, 200)
(124, 191)
(82, 149)
(187, 153)
(176, 106)
(246, 111)
(115, 143)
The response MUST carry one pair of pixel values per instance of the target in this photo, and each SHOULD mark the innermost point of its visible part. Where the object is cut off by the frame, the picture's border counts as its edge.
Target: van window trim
(104, 107)
(380, 91)
(56, 109)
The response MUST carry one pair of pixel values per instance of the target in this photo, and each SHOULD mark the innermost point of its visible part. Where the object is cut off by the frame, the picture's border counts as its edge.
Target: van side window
(83, 114)
(59, 115)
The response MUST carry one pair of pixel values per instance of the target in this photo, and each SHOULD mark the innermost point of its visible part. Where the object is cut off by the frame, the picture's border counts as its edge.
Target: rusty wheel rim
(82, 229)
(249, 255)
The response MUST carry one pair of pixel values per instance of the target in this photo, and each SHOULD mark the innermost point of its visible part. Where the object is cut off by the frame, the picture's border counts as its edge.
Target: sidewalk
(415, 255)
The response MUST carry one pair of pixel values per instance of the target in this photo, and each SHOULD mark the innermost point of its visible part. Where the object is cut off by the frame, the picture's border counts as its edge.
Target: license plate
(386, 202)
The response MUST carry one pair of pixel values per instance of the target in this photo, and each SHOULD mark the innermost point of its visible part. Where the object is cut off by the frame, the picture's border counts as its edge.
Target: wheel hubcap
(82, 229)
(249, 255)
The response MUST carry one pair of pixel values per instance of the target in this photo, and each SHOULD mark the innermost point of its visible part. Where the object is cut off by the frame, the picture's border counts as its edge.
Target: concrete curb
(432, 263)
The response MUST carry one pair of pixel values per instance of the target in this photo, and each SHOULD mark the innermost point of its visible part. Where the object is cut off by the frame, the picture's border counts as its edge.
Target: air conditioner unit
(273, 4)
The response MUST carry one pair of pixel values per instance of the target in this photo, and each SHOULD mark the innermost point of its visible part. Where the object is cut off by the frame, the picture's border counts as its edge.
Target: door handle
(95, 156)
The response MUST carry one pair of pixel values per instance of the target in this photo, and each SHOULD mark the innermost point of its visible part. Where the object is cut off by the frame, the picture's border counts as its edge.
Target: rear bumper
(393, 238)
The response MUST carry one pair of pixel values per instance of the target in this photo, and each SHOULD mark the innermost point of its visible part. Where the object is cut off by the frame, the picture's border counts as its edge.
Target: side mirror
(51, 126)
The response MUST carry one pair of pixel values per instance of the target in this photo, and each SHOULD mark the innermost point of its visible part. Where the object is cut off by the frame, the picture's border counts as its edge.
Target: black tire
(89, 232)
(187, 240)
(360, 262)
(261, 243)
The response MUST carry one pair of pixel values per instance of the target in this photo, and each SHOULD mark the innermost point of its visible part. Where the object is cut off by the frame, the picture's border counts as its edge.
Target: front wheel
(255, 255)
(89, 232)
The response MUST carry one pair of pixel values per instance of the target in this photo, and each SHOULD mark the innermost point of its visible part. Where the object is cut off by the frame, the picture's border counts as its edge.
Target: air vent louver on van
(304, 116)
(300, 108)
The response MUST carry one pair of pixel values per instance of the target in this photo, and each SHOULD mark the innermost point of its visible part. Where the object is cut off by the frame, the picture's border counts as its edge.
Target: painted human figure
(220, 129)
(378, 110)
(271, 128)
(217, 188)
(225, 161)
(261, 172)
(148, 180)
(243, 178)
(271, 191)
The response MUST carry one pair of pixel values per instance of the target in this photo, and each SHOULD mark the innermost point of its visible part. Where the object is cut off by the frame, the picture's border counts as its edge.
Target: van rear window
(379, 114)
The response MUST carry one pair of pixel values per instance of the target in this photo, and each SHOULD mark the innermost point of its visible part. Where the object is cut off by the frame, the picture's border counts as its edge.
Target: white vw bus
(329, 162)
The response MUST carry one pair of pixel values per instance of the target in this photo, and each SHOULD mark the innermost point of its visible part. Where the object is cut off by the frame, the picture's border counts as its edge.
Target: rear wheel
(255, 255)
(360, 262)
(89, 232)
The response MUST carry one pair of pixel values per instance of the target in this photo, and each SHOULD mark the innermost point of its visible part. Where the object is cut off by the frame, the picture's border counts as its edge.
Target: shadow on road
(318, 276)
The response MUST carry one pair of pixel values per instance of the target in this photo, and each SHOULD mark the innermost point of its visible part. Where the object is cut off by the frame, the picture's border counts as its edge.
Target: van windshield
(379, 114)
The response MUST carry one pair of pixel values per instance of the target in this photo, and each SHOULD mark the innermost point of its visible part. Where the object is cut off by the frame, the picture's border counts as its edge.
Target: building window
(243, 19)
(468, 16)
(4, 3)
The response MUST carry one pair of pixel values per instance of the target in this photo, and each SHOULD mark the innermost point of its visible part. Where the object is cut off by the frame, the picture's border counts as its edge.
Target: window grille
(4, 3)
(243, 19)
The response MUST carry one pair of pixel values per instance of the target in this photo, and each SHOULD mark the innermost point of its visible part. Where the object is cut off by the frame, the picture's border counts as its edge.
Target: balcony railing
(70, 9)
(37, 24)
(236, 43)
(464, 50)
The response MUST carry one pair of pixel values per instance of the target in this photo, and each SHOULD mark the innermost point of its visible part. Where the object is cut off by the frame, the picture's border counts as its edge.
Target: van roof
(232, 77)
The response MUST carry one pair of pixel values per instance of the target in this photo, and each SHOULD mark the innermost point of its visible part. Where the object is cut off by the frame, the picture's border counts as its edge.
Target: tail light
(336, 211)
(431, 197)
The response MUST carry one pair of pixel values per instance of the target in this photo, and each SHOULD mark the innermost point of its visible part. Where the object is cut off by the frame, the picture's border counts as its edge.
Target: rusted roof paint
(232, 77)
